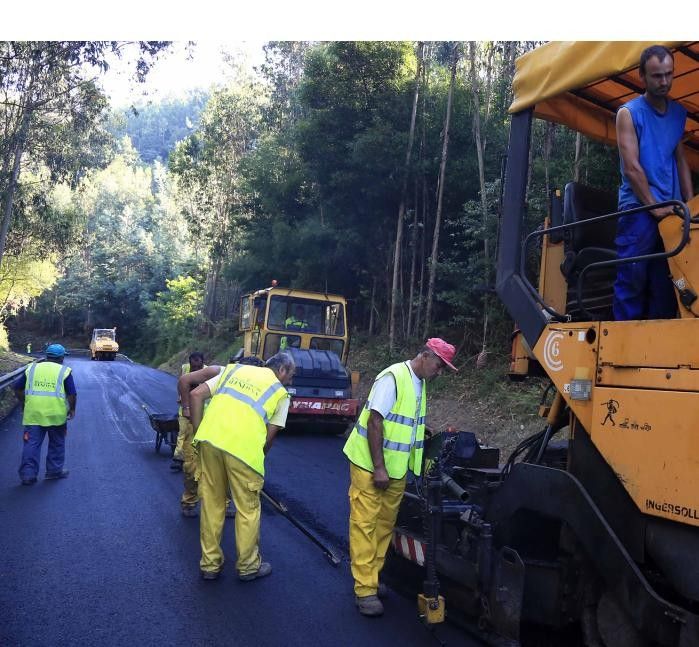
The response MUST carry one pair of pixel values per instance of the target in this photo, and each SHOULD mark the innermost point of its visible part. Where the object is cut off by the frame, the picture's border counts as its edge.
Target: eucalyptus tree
(49, 106)
(206, 166)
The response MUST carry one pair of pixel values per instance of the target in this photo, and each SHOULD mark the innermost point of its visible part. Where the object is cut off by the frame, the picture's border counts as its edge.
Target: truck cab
(103, 345)
(312, 327)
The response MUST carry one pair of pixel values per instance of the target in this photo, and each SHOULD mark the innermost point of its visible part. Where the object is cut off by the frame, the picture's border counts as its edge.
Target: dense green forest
(370, 169)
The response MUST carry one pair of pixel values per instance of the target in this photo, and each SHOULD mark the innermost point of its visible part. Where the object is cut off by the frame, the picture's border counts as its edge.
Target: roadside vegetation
(368, 169)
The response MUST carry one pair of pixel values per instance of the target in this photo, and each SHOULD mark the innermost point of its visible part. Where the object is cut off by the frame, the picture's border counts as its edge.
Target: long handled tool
(282, 509)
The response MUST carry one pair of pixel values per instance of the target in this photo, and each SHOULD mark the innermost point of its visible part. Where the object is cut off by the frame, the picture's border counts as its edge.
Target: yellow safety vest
(244, 400)
(45, 402)
(403, 428)
(292, 322)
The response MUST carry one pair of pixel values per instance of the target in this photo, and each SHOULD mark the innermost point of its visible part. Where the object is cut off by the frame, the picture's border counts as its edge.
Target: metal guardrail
(9, 378)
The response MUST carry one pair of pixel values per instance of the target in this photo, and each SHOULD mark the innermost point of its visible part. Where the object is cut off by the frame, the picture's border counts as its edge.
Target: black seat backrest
(589, 244)
(582, 202)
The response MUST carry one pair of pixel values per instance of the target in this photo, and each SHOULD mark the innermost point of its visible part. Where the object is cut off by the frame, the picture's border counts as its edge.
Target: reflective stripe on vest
(53, 393)
(43, 406)
(236, 421)
(390, 444)
(403, 428)
(257, 405)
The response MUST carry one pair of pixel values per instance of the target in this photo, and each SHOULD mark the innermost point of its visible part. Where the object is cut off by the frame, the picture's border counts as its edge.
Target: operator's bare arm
(20, 396)
(188, 380)
(628, 150)
(196, 402)
(272, 431)
(375, 438)
(685, 174)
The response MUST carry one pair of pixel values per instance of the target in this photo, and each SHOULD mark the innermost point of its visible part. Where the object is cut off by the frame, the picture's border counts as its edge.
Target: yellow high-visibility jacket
(235, 421)
(45, 402)
(403, 428)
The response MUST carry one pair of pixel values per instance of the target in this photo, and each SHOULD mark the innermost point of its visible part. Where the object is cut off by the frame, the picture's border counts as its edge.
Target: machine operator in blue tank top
(649, 133)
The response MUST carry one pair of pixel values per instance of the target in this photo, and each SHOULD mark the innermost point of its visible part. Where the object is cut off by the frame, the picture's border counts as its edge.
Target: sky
(244, 27)
(186, 65)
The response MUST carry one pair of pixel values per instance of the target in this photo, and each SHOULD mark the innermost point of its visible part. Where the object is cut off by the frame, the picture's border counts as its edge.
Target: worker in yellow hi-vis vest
(248, 407)
(186, 383)
(47, 393)
(385, 443)
(194, 363)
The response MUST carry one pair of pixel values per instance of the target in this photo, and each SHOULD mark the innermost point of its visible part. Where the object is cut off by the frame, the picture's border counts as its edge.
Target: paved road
(105, 557)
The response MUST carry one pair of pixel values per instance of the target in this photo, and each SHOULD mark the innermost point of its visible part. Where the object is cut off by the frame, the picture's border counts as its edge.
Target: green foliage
(173, 313)
(130, 239)
(296, 175)
(155, 128)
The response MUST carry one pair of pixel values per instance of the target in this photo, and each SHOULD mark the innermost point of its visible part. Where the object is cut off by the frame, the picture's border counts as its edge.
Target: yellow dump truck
(103, 344)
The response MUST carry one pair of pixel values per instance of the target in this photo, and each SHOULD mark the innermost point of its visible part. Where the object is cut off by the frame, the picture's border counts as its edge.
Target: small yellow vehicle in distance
(103, 345)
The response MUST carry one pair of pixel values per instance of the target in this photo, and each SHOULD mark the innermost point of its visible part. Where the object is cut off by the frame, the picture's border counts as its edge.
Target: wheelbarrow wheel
(172, 441)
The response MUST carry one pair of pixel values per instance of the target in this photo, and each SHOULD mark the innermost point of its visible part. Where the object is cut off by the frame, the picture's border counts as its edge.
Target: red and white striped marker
(408, 547)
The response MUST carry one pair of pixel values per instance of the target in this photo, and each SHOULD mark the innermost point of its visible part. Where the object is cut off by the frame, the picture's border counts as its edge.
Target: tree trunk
(413, 261)
(578, 150)
(12, 184)
(423, 260)
(440, 195)
(401, 208)
(548, 148)
(423, 233)
(484, 200)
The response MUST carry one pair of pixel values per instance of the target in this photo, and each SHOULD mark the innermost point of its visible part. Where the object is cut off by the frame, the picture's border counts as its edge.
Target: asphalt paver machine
(593, 523)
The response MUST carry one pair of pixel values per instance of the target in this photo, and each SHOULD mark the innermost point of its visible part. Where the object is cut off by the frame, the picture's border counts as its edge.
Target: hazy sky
(184, 66)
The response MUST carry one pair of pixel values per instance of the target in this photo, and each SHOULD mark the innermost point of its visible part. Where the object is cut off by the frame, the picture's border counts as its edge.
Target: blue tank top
(658, 136)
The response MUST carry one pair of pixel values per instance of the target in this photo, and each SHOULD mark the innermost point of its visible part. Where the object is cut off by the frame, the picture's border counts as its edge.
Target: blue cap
(55, 350)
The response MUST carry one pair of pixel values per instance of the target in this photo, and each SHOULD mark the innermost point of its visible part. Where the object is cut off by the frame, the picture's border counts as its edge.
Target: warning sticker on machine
(672, 508)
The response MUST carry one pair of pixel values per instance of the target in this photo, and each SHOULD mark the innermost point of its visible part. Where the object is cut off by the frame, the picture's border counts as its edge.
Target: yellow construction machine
(103, 344)
(311, 326)
(593, 523)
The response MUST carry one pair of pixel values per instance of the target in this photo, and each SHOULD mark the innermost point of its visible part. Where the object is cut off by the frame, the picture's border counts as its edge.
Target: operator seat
(586, 245)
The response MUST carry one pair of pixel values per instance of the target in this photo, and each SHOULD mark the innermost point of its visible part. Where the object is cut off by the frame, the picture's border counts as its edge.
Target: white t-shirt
(384, 396)
(278, 419)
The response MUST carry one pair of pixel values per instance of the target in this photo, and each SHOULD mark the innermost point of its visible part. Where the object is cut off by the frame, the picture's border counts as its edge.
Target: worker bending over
(187, 382)
(184, 452)
(386, 441)
(194, 363)
(248, 407)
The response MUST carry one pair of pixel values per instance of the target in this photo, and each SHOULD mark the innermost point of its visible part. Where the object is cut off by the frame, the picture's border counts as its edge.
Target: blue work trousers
(644, 289)
(31, 452)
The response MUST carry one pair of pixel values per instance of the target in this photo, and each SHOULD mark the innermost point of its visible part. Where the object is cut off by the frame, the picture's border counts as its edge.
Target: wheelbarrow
(166, 427)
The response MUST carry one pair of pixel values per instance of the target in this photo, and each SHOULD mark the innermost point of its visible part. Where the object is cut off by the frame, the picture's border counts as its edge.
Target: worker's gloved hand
(381, 479)
(70, 415)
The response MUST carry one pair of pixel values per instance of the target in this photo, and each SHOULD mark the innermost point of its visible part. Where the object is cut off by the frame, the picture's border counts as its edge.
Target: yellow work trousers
(177, 454)
(190, 495)
(219, 473)
(373, 515)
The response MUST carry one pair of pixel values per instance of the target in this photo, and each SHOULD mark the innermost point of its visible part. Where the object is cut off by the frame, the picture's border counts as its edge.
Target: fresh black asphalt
(105, 558)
